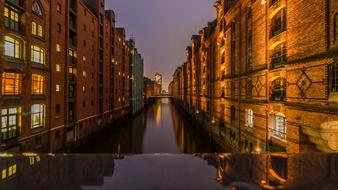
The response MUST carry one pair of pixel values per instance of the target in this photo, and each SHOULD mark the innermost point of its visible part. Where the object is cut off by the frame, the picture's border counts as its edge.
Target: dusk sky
(162, 29)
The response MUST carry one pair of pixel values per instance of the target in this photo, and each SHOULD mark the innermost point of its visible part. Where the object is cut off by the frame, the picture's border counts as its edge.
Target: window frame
(278, 55)
(11, 19)
(249, 118)
(17, 83)
(38, 114)
(40, 53)
(333, 78)
(14, 127)
(279, 132)
(17, 47)
(37, 9)
(39, 81)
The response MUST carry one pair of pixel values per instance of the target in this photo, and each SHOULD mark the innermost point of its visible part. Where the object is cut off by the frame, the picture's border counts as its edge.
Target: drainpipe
(267, 81)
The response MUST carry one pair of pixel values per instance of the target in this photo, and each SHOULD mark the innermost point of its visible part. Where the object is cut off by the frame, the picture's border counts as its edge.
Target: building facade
(137, 83)
(65, 72)
(269, 87)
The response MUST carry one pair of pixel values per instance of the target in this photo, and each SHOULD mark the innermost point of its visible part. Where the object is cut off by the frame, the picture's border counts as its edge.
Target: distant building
(158, 80)
(137, 83)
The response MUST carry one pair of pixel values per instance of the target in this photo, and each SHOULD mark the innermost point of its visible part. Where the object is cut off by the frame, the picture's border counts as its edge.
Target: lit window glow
(38, 115)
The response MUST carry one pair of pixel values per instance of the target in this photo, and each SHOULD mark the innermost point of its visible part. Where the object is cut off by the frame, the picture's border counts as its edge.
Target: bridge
(162, 96)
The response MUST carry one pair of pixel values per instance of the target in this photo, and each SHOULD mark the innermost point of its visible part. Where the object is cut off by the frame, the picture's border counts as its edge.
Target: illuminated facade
(267, 79)
(62, 78)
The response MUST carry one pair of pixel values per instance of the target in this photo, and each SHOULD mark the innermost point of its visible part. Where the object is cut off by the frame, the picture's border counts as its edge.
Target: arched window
(13, 47)
(278, 23)
(36, 9)
(279, 55)
(333, 69)
(278, 90)
(38, 84)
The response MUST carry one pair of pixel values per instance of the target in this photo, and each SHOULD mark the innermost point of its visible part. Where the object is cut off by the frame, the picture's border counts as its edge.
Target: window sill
(37, 129)
(278, 140)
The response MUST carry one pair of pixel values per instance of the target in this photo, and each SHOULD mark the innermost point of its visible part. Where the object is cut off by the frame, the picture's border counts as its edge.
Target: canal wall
(116, 120)
(213, 129)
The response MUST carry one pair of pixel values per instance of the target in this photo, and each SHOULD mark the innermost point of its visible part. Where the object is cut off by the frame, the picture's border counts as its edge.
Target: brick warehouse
(60, 72)
(269, 82)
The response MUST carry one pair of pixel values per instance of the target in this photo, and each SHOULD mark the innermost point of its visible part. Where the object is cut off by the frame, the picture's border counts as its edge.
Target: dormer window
(36, 9)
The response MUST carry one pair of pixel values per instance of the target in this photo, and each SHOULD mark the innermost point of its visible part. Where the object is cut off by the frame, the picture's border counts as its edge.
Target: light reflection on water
(160, 128)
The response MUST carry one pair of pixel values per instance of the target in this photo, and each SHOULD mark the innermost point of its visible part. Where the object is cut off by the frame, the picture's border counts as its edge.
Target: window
(279, 55)
(58, 67)
(58, 27)
(84, 74)
(58, 48)
(57, 88)
(84, 27)
(36, 9)
(37, 29)
(249, 117)
(333, 69)
(37, 55)
(83, 89)
(11, 83)
(10, 122)
(279, 130)
(38, 84)
(233, 47)
(58, 8)
(84, 58)
(11, 19)
(38, 115)
(336, 28)
(278, 90)
(278, 23)
(13, 47)
(58, 109)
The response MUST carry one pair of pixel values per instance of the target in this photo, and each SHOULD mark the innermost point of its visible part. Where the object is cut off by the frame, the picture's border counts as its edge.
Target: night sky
(162, 29)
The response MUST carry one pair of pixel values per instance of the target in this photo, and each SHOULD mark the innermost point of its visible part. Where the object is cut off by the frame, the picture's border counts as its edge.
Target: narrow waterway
(160, 128)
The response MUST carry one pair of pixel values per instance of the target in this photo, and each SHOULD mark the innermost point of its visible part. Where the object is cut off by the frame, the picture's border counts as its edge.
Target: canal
(160, 128)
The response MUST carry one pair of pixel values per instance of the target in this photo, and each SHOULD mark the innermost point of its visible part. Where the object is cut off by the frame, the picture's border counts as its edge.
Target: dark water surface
(160, 128)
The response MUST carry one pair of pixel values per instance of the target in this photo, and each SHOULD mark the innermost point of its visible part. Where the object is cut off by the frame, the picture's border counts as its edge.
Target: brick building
(65, 72)
(272, 78)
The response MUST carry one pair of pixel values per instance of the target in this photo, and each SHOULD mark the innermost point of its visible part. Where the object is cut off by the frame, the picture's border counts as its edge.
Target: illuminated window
(11, 19)
(10, 122)
(37, 29)
(279, 55)
(38, 115)
(4, 174)
(278, 23)
(333, 69)
(84, 58)
(58, 47)
(13, 47)
(279, 128)
(57, 67)
(37, 55)
(38, 84)
(36, 9)
(84, 74)
(11, 84)
(57, 88)
(249, 117)
(83, 89)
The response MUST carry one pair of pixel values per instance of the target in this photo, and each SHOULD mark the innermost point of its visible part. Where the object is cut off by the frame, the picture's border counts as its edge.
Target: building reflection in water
(276, 171)
(170, 171)
(54, 171)
(150, 132)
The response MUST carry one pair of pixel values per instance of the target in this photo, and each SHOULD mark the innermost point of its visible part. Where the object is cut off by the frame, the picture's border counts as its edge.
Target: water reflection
(170, 171)
(159, 129)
